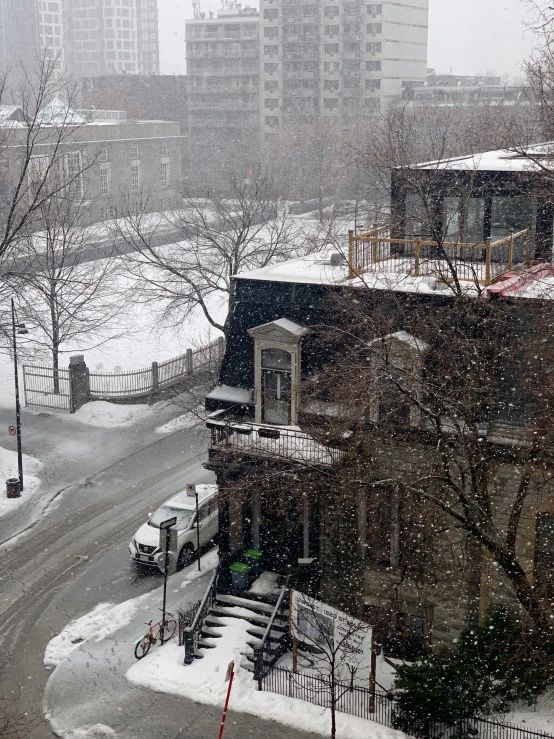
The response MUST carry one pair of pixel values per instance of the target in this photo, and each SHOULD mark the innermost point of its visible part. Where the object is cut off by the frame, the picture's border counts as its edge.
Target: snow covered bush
(494, 667)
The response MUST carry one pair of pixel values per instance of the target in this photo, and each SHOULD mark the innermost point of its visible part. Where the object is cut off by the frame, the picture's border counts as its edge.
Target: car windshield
(165, 512)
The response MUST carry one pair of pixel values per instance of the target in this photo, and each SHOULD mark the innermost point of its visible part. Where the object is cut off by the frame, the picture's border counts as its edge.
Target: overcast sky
(469, 36)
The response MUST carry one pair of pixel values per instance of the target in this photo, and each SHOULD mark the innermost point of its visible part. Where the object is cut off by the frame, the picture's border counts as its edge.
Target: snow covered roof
(314, 269)
(276, 328)
(229, 394)
(501, 160)
(58, 113)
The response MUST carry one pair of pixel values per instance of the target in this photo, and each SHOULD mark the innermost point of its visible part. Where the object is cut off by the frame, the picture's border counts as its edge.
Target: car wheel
(185, 556)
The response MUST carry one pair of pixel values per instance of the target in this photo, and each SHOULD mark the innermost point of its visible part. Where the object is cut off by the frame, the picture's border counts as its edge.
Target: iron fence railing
(159, 375)
(266, 656)
(185, 617)
(46, 387)
(380, 706)
(191, 634)
(232, 432)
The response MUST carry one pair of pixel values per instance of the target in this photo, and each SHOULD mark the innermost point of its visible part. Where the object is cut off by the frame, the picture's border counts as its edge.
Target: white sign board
(332, 630)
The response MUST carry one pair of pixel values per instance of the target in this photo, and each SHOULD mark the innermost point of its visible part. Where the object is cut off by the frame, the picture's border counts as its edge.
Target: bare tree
(441, 386)
(62, 296)
(37, 151)
(337, 650)
(223, 235)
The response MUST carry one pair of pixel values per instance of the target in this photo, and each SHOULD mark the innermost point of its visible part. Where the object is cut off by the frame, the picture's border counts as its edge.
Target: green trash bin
(254, 559)
(240, 575)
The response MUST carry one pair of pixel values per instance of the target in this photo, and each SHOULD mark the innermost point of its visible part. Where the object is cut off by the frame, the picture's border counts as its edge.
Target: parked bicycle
(142, 646)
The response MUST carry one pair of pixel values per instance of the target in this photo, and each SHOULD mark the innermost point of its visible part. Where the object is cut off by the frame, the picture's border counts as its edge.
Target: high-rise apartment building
(338, 59)
(101, 36)
(335, 60)
(19, 32)
(223, 70)
(148, 39)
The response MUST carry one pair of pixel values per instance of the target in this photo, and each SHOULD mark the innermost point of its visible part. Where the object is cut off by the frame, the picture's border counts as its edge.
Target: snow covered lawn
(204, 682)
(31, 483)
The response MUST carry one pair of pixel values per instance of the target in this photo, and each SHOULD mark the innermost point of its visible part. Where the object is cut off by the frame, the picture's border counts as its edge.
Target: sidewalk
(89, 697)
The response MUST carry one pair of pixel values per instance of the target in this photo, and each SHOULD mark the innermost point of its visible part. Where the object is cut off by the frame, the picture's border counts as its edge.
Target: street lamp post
(17, 404)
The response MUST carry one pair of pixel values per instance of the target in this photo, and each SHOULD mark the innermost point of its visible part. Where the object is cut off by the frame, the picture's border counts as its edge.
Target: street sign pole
(17, 404)
(165, 526)
(191, 490)
(229, 677)
(197, 531)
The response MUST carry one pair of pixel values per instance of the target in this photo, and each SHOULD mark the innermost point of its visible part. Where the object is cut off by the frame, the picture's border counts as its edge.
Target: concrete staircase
(256, 610)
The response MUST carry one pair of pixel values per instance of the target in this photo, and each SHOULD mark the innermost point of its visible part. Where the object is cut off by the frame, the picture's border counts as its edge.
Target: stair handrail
(190, 633)
(258, 649)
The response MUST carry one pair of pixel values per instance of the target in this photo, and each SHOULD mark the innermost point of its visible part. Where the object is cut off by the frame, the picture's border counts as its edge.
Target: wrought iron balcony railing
(233, 432)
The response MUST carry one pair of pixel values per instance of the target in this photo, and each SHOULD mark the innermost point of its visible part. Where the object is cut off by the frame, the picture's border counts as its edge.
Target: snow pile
(186, 421)
(103, 621)
(204, 682)
(98, 731)
(31, 483)
(109, 415)
(208, 561)
(266, 584)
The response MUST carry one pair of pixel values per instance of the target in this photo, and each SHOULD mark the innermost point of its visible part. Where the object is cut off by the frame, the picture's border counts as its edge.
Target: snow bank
(31, 483)
(208, 562)
(266, 584)
(204, 682)
(186, 421)
(109, 415)
(98, 731)
(101, 622)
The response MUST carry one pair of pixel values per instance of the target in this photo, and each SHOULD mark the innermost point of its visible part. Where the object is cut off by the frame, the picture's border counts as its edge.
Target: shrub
(493, 667)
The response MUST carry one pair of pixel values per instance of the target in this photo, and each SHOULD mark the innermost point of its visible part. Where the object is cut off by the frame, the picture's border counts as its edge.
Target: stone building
(123, 164)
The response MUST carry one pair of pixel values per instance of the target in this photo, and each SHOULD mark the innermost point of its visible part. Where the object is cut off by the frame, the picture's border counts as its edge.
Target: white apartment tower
(338, 60)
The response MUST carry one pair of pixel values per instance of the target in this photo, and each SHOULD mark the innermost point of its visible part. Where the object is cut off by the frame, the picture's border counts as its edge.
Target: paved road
(39, 571)
(75, 558)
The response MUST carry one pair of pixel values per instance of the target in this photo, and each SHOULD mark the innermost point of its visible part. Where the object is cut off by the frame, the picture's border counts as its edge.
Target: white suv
(144, 548)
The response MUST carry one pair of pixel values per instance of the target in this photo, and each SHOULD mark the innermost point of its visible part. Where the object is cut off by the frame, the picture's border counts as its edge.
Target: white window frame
(135, 181)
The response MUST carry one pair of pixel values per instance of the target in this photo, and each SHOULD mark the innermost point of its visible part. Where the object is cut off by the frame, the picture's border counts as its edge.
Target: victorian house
(474, 231)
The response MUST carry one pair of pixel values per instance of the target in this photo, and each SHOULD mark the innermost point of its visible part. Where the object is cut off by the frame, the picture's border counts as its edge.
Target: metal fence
(46, 387)
(159, 375)
(380, 706)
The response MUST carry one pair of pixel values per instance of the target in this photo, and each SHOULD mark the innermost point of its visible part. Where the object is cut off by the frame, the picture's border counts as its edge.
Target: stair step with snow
(211, 633)
(255, 605)
(253, 618)
(258, 631)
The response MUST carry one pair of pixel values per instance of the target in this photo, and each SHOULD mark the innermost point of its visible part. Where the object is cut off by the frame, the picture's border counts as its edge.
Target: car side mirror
(150, 515)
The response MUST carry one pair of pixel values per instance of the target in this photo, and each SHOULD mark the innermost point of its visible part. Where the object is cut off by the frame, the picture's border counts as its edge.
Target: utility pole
(17, 404)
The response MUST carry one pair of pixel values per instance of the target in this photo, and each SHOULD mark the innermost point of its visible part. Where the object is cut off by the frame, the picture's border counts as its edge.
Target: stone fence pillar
(79, 382)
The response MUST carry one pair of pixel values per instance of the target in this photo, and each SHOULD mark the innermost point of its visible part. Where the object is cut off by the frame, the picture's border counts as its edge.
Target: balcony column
(306, 542)
(256, 520)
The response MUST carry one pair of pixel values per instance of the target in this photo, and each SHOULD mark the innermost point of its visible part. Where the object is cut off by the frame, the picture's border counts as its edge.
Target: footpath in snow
(93, 657)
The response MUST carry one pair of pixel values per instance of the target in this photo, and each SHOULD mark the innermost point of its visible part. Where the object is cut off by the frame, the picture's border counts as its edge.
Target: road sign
(191, 491)
(12, 431)
(169, 523)
(230, 669)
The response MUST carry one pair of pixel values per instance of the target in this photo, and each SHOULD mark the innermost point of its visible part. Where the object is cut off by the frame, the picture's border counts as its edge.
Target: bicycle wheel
(143, 647)
(170, 629)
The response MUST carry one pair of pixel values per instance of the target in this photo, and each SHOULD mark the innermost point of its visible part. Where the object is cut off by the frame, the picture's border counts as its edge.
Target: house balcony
(376, 251)
(234, 433)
